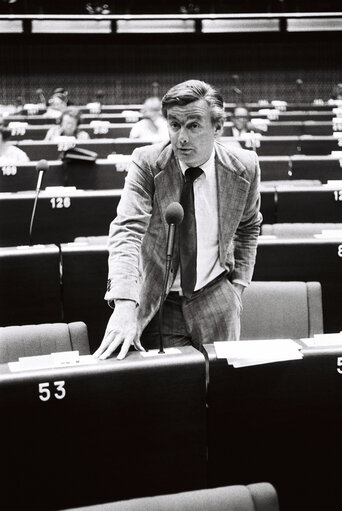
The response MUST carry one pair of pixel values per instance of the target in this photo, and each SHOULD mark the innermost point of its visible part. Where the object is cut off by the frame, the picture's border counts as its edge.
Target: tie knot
(192, 173)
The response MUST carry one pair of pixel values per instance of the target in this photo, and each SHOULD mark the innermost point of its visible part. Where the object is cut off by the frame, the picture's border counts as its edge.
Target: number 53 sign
(58, 390)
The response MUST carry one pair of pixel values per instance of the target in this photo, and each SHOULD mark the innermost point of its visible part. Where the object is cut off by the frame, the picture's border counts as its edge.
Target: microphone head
(42, 166)
(174, 213)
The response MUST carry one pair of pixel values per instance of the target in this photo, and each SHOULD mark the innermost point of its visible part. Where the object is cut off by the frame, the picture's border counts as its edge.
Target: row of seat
(265, 146)
(26, 131)
(270, 309)
(96, 106)
(50, 283)
(64, 213)
(134, 115)
(110, 173)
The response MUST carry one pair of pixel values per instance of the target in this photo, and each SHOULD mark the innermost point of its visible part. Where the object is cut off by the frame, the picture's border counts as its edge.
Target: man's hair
(192, 90)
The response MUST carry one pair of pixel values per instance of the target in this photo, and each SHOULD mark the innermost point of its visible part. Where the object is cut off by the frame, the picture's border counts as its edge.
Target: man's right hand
(121, 329)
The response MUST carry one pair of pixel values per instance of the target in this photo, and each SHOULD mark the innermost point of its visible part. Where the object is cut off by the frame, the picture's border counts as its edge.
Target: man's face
(192, 132)
(69, 125)
(240, 118)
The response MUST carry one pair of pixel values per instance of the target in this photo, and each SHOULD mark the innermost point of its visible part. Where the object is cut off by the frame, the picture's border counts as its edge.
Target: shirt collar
(206, 167)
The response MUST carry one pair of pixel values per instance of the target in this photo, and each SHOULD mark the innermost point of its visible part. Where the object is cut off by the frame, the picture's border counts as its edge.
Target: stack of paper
(249, 353)
(323, 340)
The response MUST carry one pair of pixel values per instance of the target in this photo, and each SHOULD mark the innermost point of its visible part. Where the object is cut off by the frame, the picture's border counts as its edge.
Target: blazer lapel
(232, 189)
(168, 182)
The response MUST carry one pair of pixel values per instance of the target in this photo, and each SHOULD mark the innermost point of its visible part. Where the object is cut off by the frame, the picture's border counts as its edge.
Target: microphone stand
(169, 252)
(42, 166)
(174, 215)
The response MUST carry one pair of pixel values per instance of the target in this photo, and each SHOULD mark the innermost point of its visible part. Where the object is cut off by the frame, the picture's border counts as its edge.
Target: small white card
(156, 353)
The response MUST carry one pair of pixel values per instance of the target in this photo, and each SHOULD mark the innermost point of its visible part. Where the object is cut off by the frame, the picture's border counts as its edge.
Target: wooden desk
(109, 431)
(307, 204)
(102, 175)
(280, 423)
(61, 215)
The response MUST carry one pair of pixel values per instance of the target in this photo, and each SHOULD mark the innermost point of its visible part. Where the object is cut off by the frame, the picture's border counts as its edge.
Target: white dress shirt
(206, 213)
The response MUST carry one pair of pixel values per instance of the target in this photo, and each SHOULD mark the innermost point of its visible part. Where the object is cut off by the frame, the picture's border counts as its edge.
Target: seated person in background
(67, 127)
(241, 123)
(57, 104)
(336, 93)
(9, 153)
(153, 126)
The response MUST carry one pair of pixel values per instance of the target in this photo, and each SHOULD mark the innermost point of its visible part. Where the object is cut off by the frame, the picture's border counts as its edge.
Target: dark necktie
(188, 237)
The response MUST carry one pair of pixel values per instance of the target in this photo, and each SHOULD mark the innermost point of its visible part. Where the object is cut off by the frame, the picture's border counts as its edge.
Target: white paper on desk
(323, 340)
(264, 351)
(329, 234)
(61, 359)
(255, 361)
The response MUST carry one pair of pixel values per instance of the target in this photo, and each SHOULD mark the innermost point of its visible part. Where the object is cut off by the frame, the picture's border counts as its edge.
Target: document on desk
(53, 360)
(323, 340)
(256, 352)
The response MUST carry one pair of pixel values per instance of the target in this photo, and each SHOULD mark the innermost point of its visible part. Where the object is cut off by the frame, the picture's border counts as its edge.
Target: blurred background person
(153, 126)
(57, 103)
(336, 93)
(68, 127)
(9, 153)
(241, 123)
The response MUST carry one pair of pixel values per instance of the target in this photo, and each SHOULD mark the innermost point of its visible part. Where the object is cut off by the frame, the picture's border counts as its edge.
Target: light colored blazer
(138, 234)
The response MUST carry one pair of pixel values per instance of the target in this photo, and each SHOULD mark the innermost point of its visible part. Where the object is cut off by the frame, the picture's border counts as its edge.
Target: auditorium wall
(267, 65)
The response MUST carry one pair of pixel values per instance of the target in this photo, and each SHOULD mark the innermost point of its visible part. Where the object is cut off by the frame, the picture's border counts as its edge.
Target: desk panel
(307, 260)
(30, 290)
(274, 168)
(280, 423)
(24, 177)
(38, 149)
(309, 115)
(316, 167)
(61, 216)
(100, 175)
(308, 204)
(268, 205)
(123, 429)
(310, 144)
(38, 132)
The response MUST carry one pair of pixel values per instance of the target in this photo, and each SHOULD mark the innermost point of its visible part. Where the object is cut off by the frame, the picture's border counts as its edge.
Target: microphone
(41, 167)
(174, 216)
(299, 86)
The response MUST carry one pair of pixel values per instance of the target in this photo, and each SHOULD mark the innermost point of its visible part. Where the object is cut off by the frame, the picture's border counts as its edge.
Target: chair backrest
(281, 310)
(252, 497)
(43, 339)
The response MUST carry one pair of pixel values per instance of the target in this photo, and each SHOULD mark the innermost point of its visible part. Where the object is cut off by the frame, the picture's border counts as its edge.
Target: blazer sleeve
(127, 230)
(247, 233)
